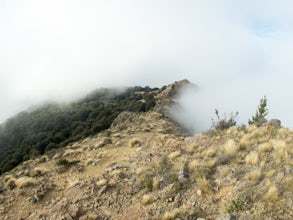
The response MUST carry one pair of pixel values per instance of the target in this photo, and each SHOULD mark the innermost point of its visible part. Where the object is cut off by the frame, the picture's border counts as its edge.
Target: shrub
(240, 203)
(147, 182)
(225, 122)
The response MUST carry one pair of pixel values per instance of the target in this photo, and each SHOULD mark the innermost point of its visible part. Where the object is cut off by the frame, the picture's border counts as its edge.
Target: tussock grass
(211, 163)
(246, 141)
(211, 152)
(272, 193)
(270, 173)
(225, 171)
(193, 165)
(89, 161)
(265, 147)
(10, 183)
(103, 142)
(283, 133)
(172, 214)
(24, 182)
(135, 143)
(140, 170)
(38, 171)
(101, 182)
(252, 158)
(43, 159)
(251, 128)
(231, 148)
(263, 164)
(174, 155)
(204, 185)
(8, 177)
(156, 183)
(253, 176)
(71, 152)
(280, 149)
(288, 183)
(147, 199)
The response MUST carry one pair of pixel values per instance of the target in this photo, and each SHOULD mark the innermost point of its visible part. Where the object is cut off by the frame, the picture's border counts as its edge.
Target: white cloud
(236, 52)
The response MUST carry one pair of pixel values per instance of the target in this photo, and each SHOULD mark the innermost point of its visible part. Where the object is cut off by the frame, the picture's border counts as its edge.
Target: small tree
(261, 113)
(224, 123)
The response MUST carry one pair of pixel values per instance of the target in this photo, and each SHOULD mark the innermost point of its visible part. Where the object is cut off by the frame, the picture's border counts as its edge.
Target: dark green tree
(260, 116)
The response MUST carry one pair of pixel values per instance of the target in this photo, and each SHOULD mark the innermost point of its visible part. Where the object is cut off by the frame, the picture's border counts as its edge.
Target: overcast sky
(235, 51)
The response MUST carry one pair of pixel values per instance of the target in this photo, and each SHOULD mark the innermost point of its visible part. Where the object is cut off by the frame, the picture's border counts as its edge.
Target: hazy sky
(236, 51)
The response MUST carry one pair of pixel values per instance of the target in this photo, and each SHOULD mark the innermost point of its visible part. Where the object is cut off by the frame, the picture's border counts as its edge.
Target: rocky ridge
(145, 167)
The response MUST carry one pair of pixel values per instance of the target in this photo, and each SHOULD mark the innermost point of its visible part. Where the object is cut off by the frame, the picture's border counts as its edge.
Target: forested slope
(33, 133)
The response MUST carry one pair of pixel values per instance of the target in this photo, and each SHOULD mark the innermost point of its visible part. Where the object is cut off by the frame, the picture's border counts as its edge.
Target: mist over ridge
(235, 52)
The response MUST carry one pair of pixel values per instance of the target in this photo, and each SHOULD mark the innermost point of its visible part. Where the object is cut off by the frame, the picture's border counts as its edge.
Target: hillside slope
(32, 133)
(145, 167)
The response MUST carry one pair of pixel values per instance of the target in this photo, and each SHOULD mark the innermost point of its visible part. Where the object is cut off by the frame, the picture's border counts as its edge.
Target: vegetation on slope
(244, 171)
(30, 134)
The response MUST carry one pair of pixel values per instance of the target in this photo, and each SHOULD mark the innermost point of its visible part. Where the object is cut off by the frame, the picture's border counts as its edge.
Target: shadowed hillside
(31, 134)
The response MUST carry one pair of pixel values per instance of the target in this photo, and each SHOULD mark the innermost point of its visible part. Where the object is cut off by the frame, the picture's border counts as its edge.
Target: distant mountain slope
(30, 134)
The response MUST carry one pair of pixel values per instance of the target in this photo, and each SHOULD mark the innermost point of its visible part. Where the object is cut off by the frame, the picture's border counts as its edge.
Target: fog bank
(236, 52)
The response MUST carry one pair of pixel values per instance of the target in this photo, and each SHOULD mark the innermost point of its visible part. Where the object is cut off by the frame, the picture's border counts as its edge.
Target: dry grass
(211, 163)
(101, 182)
(231, 147)
(253, 175)
(135, 143)
(105, 141)
(245, 141)
(115, 173)
(251, 128)
(280, 151)
(225, 171)
(10, 183)
(71, 152)
(24, 182)
(38, 171)
(232, 130)
(270, 173)
(140, 170)
(174, 155)
(263, 164)
(43, 159)
(283, 133)
(288, 183)
(211, 152)
(204, 185)
(272, 193)
(252, 158)
(89, 161)
(172, 214)
(147, 199)
(265, 147)
(193, 165)
(8, 177)
(156, 183)
(72, 183)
